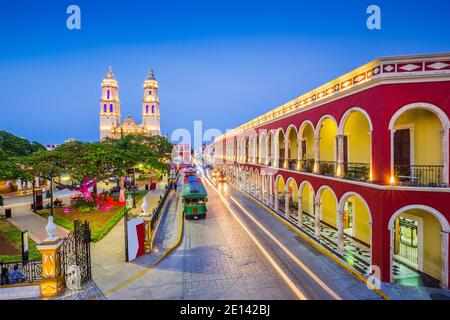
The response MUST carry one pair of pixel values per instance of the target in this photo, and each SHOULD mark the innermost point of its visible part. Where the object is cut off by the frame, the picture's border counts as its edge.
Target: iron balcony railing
(419, 175)
(307, 165)
(327, 168)
(356, 171)
(281, 162)
(292, 164)
(20, 272)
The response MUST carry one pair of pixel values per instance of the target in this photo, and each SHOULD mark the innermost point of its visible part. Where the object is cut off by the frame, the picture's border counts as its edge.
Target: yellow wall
(359, 142)
(269, 145)
(427, 137)
(431, 243)
(308, 135)
(293, 190)
(361, 220)
(308, 200)
(280, 186)
(293, 147)
(280, 145)
(329, 211)
(327, 140)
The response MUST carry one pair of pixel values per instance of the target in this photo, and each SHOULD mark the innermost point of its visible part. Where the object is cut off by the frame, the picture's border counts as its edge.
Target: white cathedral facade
(110, 125)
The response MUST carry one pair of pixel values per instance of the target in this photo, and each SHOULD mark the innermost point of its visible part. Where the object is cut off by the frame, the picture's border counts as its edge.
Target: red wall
(380, 103)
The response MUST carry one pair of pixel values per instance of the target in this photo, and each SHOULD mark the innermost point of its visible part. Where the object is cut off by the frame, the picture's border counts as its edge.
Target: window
(111, 108)
(150, 93)
(104, 108)
(107, 94)
(146, 108)
(153, 108)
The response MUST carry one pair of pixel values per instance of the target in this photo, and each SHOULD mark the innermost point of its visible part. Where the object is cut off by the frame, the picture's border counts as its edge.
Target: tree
(11, 148)
(89, 163)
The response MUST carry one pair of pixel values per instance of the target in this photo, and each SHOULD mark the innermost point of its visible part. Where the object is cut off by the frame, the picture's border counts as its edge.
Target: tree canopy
(89, 163)
(11, 148)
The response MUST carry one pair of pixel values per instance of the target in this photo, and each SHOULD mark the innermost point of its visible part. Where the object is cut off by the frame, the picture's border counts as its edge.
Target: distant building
(110, 126)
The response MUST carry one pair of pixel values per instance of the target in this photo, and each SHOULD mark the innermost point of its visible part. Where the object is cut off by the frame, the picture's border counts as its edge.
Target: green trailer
(195, 198)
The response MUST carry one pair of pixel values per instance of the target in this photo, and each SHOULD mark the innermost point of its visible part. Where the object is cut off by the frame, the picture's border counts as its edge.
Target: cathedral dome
(129, 122)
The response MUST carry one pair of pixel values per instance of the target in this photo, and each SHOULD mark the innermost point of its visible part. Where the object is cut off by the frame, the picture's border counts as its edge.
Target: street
(240, 251)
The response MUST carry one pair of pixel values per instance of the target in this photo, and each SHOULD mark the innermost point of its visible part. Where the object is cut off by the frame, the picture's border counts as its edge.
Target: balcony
(419, 176)
(292, 164)
(327, 168)
(307, 165)
(357, 171)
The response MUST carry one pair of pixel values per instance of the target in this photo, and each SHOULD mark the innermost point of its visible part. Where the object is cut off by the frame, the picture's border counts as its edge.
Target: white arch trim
(421, 105)
(352, 193)
(289, 128)
(321, 120)
(441, 218)
(347, 115)
(288, 181)
(303, 126)
(303, 184)
(319, 194)
(445, 126)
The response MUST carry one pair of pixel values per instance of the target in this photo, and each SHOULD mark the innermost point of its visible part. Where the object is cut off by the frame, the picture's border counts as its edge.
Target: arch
(418, 157)
(291, 127)
(421, 105)
(303, 184)
(424, 263)
(292, 147)
(347, 115)
(319, 193)
(320, 122)
(303, 126)
(346, 195)
(439, 216)
(280, 137)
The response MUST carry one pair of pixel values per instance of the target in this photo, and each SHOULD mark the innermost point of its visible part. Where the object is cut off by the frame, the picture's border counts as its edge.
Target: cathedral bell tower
(150, 106)
(109, 105)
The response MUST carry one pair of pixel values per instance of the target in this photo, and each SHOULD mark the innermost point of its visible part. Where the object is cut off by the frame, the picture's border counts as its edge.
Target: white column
(275, 153)
(36, 181)
(340, 155)
(276, 200)
(286, 154)
(300, 212)
(19, 184)
(316, 154)
(286, 204)
(444, 138)
(340, 227)
(318, 206)
(444, 259)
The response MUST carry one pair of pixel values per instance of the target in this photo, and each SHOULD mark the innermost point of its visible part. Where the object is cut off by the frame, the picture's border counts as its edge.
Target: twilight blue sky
(223, 62)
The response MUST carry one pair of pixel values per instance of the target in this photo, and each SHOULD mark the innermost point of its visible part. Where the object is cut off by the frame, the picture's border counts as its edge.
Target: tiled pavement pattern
(221, 262)
(356, 254)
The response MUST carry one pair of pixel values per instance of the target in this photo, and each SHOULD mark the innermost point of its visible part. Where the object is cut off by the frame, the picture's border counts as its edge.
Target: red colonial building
(361, 165)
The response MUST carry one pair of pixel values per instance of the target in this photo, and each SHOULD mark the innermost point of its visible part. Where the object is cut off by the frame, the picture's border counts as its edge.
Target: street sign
(24, 246)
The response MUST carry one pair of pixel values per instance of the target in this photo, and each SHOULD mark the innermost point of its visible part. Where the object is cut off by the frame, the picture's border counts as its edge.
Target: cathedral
(110, 125)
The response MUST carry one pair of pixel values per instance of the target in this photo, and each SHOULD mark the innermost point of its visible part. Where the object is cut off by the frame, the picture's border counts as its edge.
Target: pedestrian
(175, 186)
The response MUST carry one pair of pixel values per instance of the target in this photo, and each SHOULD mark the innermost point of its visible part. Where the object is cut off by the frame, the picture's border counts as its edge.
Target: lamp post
(134, 187)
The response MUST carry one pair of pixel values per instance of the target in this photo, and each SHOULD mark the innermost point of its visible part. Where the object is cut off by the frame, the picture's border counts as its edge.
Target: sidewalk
(23, 218)
(13, 201)
(109, 269)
